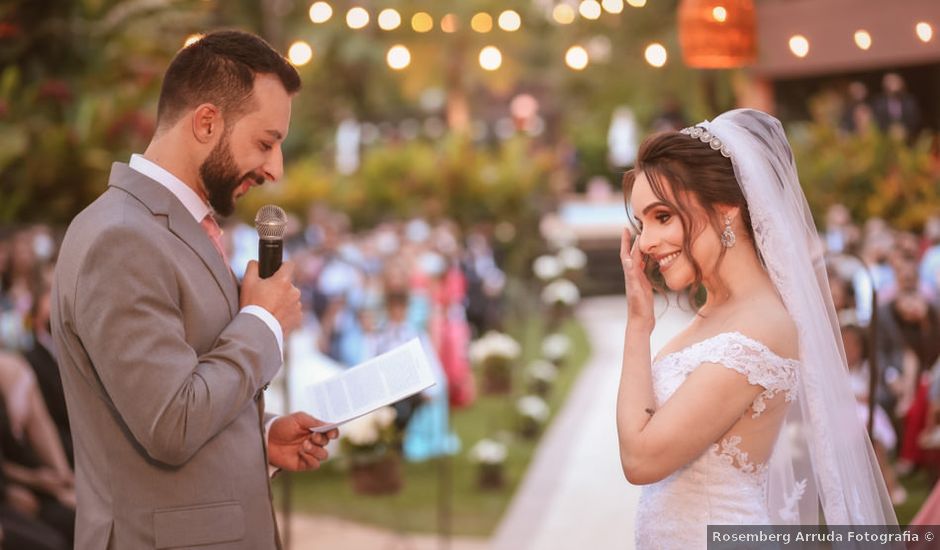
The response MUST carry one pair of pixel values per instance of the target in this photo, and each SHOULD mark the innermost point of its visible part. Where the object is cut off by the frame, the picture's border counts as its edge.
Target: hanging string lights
(713, 34)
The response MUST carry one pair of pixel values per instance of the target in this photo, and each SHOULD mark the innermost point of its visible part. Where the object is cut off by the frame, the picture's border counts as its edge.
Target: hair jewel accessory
(705, 136)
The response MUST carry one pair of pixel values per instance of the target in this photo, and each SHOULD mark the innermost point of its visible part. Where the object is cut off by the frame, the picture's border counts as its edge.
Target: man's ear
(207, 123)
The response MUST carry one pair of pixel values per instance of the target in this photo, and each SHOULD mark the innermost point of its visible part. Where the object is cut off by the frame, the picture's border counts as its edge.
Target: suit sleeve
(130, 320)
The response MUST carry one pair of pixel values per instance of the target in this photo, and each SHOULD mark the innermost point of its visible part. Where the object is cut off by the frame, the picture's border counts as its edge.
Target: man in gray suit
(164, 358)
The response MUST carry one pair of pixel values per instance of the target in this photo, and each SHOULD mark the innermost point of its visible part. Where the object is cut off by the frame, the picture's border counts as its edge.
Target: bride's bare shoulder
(767, 320)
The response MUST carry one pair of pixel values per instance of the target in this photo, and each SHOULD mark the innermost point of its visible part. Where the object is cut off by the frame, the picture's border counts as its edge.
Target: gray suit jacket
(163, 378)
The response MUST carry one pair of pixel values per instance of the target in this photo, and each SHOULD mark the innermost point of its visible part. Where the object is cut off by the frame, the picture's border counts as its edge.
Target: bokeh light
(637, 3)
(799, 45)
(720, 14)
(491, 58)
(563, 14)
(613, 6)
(398, 57)
(510, 21)
(192, 39)
(357, 18)
(656, 54)
(589, 9)
(576, 57)
(482, 22)
(449, 23)
(422, 22)
(924, 31)
(320, 12)
(300, 53)
(389, 19)
(862, 39)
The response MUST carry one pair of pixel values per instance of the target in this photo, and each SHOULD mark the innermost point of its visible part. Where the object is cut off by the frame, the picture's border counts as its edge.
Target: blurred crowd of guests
(363, 293)
(886, 283)
(37, 497)
(893, 110)
(369, 291)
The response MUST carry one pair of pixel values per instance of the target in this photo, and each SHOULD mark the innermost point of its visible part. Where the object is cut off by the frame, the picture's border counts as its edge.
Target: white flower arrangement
(547, 267)
(488, 451)
(494, 345)
(533, 407)
(561, 291)
(368, 430)
(572, 258)
(542, 370)
(556, 346)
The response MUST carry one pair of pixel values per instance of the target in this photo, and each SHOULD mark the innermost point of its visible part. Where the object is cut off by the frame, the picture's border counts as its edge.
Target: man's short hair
(220, 68)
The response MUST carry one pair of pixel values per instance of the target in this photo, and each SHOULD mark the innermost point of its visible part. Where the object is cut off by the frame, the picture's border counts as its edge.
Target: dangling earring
(727, 236)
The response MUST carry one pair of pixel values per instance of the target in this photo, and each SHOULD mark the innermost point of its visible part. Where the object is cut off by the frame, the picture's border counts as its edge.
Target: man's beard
(220, 177)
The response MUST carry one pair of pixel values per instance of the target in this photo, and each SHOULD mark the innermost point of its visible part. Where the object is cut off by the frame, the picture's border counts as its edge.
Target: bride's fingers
(625, 241)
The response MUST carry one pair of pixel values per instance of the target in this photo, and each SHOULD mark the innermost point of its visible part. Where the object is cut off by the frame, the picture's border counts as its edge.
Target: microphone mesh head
(270, 221)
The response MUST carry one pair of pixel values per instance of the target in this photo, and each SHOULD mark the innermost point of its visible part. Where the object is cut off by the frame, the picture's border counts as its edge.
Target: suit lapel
(180, 222)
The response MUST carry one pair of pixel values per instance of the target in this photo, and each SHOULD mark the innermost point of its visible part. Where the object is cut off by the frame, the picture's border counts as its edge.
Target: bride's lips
(665, 261)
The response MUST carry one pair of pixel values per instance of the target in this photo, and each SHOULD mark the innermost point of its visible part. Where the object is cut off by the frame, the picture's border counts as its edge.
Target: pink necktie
(215, 234)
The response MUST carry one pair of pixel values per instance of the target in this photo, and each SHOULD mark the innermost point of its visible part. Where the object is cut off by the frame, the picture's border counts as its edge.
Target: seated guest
(33, 458)
(42, 359)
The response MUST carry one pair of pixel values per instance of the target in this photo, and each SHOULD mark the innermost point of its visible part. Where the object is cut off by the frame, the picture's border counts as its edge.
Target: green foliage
(873, 174)
(450, 178)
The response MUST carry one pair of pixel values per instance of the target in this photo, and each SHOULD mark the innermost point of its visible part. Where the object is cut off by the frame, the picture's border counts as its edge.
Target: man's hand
(292, 446)
(276, 294)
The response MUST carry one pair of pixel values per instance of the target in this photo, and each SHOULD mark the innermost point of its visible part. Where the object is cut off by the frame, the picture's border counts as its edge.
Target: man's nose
(274, 167)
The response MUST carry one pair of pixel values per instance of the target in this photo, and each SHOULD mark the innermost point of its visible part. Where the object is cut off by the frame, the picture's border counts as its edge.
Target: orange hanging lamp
(718, 34)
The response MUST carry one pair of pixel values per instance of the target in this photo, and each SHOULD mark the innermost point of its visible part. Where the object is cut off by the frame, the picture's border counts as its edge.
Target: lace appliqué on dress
(729, 453)
(744, 355)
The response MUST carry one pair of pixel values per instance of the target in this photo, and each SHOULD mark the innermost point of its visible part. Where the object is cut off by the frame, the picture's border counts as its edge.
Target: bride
(746, 417)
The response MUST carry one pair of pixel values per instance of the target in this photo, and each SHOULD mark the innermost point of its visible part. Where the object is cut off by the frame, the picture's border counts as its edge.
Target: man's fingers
(286, 271)
(252, 270)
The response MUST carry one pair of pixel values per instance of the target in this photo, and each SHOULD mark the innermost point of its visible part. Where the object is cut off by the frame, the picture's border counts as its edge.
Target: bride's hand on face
(638, 287)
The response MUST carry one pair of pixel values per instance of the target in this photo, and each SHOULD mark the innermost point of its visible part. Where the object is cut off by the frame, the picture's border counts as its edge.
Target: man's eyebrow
(275, 134)
(653, 205)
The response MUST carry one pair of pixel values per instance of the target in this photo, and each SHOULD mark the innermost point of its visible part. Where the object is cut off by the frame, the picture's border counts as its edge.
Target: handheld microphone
(270, 223)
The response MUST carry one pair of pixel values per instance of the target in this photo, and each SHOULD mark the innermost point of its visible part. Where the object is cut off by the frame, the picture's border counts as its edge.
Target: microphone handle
(270, 253)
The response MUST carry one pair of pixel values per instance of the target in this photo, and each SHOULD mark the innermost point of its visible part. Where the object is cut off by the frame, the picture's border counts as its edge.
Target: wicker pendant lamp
(717, 34)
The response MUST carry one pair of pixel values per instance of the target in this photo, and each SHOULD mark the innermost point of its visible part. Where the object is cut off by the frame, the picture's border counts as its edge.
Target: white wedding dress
(724, 485)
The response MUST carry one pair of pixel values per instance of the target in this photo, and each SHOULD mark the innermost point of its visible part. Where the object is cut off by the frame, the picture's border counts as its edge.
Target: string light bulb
(389, 19)
(300, 53)
(656, 55)
(422, 22)
(398, 57)
(720, 14)
(612, 6)
(192, 39)
(589, 9)
(924, 31)
(799, 45)
(320, 12)
(482, 23)
(357, 18)
(563, 14)
(491, 58)
(576, 57)
(510, 21)
(862, 39)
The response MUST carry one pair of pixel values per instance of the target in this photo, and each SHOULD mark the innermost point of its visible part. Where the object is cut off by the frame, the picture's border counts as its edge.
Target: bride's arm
(706, 405)
(654, 444)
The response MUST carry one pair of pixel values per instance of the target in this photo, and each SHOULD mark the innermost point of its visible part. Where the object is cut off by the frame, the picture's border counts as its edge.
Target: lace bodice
(723, 485)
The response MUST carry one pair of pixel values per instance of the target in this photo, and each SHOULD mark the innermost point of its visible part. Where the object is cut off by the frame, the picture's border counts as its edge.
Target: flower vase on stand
(379, 477)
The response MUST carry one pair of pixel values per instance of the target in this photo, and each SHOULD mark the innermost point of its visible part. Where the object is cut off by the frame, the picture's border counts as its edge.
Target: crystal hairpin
(705, 136)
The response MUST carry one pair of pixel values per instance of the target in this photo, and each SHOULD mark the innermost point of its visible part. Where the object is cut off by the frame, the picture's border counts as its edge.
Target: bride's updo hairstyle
(691, 169)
